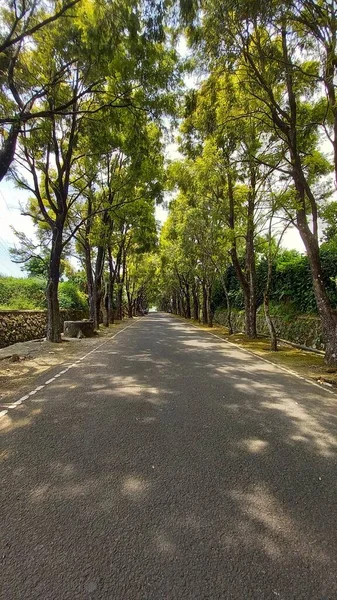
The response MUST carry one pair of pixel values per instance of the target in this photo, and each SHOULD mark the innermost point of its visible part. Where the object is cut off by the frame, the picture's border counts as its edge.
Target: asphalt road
(170, 465)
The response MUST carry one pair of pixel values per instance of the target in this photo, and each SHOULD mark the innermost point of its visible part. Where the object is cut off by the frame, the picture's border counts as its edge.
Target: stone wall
(25, 325)
(305, 330)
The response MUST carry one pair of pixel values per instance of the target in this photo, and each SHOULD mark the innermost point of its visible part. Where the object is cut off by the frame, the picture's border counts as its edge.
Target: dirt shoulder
(305, 363)
(22, 364)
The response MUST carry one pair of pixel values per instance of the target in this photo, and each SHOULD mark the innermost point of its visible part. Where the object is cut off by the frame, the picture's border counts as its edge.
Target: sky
(11, 201)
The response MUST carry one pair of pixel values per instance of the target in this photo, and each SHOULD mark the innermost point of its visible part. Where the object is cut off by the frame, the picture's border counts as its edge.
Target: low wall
(25, 325)
(304, 330)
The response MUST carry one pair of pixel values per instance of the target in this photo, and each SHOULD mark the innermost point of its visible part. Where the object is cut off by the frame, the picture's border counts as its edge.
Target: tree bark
(247, 282)
(228, 302)
(90, 279)
(325, 310)
(270, 324)
(195, 302)
(53, 322)
(97, 287)
(174, 303)
(188, 301)
(204, 304)
(209, 309)
(7, 151)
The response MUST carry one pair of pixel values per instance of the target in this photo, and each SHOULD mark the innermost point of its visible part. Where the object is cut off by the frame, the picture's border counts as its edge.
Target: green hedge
(70, 297)
(29, 294)
(291, 283)
(22, 294)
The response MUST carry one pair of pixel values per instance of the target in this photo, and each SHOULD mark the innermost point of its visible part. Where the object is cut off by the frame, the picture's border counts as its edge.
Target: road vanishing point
(170, 465)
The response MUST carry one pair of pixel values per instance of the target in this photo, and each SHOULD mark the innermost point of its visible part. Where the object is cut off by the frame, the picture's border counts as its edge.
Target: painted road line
(49, 381)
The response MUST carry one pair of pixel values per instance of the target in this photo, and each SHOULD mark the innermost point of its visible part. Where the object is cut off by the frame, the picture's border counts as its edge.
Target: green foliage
(29, 294)
(292, 291)
(22, 294)
(70, 297)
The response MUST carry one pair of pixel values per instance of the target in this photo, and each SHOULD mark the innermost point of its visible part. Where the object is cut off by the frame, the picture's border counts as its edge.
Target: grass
(305, 363)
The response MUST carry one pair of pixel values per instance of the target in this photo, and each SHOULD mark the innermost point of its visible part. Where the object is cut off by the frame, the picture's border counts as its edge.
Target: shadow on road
(171, 465)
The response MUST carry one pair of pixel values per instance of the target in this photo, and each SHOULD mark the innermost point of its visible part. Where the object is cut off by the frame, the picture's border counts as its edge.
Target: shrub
(30, 294)
(22, 294)
(71, 297)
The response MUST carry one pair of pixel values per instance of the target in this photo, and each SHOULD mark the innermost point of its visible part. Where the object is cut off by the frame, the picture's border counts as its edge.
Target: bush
(291, 287)
(30, 294)
(22, 294)
(70, 297)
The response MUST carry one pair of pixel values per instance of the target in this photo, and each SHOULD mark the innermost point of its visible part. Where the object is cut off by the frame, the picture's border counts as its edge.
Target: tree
(20, 91)
(105, 78)
(274, 49)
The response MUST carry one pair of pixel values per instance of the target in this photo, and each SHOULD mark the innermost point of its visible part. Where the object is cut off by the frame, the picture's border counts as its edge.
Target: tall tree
(20, 88)
(274, 51)
(107, 64)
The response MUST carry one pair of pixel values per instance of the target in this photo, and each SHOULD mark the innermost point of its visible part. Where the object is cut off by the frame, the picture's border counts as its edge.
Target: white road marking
(17, 403)
(40, 387)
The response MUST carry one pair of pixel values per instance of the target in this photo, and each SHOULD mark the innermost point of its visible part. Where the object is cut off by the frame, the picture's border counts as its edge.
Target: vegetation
(30, 294)
(252, 140)
(84, 104)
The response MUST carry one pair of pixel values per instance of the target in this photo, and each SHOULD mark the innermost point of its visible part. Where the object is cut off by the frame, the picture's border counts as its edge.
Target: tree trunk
(119, 303)
(270, 324)
(179, 307)
(325, 310)
(229, 306)
(248, 281)
(130, 304)
(97, 287)
(204, 305)
(250, 315)
(106, 304)
(209, 309)
(121, 286)
(174, 303)
(188, 301)
(8, 150)
(112, 279)
(90, 279)
(53, 319)
(249, 297)
(195, 303)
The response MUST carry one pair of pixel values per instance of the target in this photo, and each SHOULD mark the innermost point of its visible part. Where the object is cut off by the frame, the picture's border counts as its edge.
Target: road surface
(170, 465)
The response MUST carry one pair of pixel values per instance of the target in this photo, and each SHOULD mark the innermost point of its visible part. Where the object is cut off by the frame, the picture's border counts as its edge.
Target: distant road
(170, 465)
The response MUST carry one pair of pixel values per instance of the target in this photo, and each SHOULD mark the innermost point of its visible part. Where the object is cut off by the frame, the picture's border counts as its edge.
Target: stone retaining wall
(25, 325)
(304, 330)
